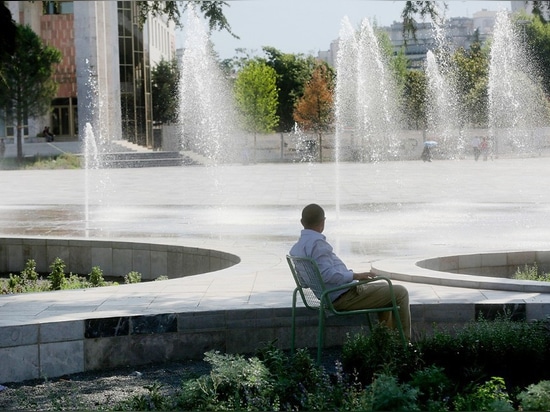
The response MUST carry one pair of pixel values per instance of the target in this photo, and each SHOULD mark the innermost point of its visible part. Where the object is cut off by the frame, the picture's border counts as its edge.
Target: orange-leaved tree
(315, 109)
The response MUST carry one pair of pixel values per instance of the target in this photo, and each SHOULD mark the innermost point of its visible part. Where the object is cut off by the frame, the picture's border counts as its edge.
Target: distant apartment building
(458, 32)
(105, 76)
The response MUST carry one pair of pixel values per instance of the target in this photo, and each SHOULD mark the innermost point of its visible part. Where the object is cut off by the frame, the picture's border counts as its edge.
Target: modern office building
(105, 76)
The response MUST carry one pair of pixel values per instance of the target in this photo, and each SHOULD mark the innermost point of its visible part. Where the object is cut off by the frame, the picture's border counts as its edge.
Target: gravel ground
(97, 390)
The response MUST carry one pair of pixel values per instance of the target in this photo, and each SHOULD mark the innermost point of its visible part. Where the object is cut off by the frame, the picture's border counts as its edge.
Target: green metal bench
(316, 296)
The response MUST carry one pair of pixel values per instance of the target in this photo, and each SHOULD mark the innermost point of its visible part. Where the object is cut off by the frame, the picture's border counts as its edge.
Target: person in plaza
(47, 134)
(475, 146)
(426, 153)
(2, 148)
(484, 148)
(313, 244)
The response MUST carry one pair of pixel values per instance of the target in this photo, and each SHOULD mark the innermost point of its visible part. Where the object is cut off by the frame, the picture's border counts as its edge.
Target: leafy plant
(536, 397)
(57, 275)
(62, 161)
(491, 396)
(476, 352)
(96, 277)
(434, 388)
(531, 273)
(366, 355)
(152, 400)
(132, 277)
(301, 383)
(387, 394)
(234, 383)
(29, 272)
(27, 281)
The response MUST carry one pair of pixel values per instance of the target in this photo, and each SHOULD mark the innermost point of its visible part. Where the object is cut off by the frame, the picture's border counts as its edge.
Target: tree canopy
(165, 79)
(314, 110)
(472, 80)
(256, 95)
(29, 87)
(293, 72)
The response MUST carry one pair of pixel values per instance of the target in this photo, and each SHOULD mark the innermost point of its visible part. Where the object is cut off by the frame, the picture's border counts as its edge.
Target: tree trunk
(320, 148)
(19, 138)
(255, 147)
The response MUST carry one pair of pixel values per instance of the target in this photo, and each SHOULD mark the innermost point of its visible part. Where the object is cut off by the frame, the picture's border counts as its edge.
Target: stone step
(145, 159)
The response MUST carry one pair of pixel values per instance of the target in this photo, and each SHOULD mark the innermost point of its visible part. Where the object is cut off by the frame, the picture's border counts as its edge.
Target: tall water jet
(517, 107)
(94, 147)
(442, 107)
(367, 119)
(206, 103)
(208, 117)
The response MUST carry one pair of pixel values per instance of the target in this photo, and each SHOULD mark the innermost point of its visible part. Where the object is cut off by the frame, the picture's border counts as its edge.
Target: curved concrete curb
(477, 271)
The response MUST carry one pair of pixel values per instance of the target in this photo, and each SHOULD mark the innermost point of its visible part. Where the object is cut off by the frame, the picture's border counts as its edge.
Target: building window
(57, 7)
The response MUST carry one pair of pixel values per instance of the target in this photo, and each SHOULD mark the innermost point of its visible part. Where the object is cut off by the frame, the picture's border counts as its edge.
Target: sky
(307, 26)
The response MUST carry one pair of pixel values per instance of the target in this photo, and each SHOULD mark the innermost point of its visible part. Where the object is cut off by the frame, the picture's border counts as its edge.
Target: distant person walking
(475, 146)
(484, 147)
(2, 148)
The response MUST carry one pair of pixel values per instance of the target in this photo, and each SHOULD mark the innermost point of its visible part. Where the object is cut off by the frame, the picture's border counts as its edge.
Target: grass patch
(61, 161)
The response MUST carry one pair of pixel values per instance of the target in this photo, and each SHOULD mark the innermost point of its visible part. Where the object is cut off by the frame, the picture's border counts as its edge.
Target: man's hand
(363, 276)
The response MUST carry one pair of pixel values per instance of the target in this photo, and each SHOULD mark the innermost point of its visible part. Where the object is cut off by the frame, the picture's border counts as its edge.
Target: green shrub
(234, 383)
(382, 351)
(132, 277)
(96, 277)
(531, 273)
(536, 397)
(15, 282)
(299, 383)
(57, 274)
(434, 388)
(491, 396)
(482, 349)
(271, 380)
(27, 281)
(153, 400)
(29, 272)
(387, 394)
(76, 282)
(61, 161)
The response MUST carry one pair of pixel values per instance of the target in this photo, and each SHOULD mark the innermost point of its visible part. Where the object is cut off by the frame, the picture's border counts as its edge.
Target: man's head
(313, 217)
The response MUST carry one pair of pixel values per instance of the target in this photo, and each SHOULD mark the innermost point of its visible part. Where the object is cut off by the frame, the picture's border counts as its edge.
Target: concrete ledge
(479, 271)
(115, 258)
(55, 349)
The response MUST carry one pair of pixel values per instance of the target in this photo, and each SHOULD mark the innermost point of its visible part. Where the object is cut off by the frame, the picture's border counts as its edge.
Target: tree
(211, 10)
(293, 72)
(315, 109)
(414, 99)
(472, 80)
(537, 34)
(256, 95)
(29, 87)
(165, 79)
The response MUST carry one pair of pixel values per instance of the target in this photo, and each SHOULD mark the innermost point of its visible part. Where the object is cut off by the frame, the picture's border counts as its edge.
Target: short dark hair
(312, 215)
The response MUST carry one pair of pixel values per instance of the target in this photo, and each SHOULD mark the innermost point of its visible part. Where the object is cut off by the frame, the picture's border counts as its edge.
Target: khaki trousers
(376, 295)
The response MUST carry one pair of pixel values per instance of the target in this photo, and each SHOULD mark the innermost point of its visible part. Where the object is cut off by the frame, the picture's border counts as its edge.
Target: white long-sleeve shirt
(334, 272)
